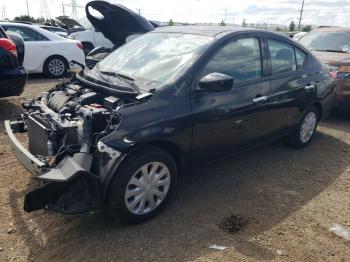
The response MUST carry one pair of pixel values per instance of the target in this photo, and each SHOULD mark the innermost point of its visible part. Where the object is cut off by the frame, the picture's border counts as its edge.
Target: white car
(91, 37)
(47, 52)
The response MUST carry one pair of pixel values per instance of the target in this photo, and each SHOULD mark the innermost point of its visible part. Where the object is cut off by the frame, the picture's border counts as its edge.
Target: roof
(212, 31)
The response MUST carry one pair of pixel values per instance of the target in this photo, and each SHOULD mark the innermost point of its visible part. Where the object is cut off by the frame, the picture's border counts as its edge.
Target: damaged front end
(64, 128)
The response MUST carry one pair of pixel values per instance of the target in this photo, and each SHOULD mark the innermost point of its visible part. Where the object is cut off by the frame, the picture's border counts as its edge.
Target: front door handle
(310, 87)
(260, 99)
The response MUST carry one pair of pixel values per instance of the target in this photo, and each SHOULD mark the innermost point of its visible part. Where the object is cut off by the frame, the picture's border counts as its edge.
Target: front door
(229, 121)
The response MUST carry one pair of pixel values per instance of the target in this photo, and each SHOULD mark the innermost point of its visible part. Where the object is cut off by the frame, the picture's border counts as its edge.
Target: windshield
(158, 57)
(327, 41)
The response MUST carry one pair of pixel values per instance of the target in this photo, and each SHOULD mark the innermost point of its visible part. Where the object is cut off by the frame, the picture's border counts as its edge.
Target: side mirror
(215, 82)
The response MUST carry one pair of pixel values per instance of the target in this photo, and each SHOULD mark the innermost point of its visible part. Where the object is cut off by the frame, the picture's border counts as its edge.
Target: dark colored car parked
(12, 75)
(332, 46)
(116, 137)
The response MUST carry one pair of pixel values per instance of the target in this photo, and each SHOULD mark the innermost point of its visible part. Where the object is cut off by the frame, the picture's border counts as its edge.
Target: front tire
(142, 186)
(306, 129)
(55, 67)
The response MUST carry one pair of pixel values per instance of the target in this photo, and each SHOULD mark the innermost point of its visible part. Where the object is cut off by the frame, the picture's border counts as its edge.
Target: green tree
(291, 26)
(278, 28)
(307, 28)
(244, 24)
(27, 18)
(222, 23)
(171, 22)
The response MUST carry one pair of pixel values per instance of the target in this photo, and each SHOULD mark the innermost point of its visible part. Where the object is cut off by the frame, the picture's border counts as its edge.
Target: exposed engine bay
(68, 119)
(64, 127)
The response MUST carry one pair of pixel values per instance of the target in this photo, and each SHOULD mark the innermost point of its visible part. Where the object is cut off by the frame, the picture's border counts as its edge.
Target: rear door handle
(260, 99)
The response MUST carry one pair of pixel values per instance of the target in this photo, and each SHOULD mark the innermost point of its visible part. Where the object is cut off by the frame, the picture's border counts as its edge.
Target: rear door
(292, 89)
(229, 121)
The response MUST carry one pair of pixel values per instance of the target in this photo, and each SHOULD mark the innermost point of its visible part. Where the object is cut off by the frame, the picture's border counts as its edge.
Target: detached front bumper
(30, 162)
(68, 189)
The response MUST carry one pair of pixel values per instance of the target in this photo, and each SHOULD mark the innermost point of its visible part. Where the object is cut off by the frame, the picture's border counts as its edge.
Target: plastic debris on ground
(341, 231)
(217, 247)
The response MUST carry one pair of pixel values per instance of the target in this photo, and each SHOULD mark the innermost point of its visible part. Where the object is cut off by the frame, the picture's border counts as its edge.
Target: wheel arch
(56, 55)
(167, 146)
(318, 106)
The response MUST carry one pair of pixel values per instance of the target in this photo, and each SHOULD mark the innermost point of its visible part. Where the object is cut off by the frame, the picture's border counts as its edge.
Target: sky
(316, 12)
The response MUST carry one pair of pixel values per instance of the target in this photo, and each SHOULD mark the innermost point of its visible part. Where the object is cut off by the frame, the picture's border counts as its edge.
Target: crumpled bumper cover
(69, 188)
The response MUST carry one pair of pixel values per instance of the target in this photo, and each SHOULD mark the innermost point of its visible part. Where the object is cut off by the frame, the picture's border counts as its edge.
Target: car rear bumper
(12, 81)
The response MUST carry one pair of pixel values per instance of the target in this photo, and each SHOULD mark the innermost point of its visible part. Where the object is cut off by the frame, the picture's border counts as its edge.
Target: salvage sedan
(116, 137)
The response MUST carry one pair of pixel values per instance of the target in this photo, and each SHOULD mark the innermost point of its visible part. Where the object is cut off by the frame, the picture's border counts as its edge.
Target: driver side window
(239, 59)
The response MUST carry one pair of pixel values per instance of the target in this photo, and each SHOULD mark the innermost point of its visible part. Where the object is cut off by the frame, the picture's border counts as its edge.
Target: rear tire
(143, 185)
(55, 67)
(306, 129)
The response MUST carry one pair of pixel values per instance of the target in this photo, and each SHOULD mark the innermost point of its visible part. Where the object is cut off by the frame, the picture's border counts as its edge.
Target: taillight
(333, 74)
(340, 72)
(9, 46)
(80, 46)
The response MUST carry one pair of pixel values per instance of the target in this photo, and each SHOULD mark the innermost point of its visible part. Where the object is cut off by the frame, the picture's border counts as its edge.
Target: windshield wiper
(331, 50)
(126, 79)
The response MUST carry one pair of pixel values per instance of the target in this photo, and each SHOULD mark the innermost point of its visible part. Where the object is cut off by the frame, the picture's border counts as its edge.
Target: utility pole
(3, 13)
(225, 14)
(27, 8)
(139, 10)
(74, 9)
(63, 11)
(301, 15)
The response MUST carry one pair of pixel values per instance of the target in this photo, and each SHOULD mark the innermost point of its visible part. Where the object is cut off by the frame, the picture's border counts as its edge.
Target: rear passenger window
(239, 59)
(300, 57)
(282, 56)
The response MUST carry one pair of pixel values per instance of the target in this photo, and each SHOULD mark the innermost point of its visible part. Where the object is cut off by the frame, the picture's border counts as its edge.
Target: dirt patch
(294, 197)
(233, 223)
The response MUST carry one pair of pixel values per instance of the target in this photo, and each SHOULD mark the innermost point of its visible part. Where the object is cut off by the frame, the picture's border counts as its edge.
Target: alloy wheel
(56, 67)
(308, 127)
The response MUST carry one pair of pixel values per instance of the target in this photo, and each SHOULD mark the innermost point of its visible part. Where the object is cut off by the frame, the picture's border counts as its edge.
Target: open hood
(115, 21)
(69, 23)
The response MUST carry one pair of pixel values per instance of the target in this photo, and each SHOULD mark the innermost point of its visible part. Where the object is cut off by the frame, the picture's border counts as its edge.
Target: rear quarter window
(285, 57)
(300, 57)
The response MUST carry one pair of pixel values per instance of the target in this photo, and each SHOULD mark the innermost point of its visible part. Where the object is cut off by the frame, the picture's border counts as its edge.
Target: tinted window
(300, 57)
(239, 59)
(282, 56)
(26, 33)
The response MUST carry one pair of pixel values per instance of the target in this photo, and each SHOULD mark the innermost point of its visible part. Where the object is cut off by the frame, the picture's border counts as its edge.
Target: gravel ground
(287, 199)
